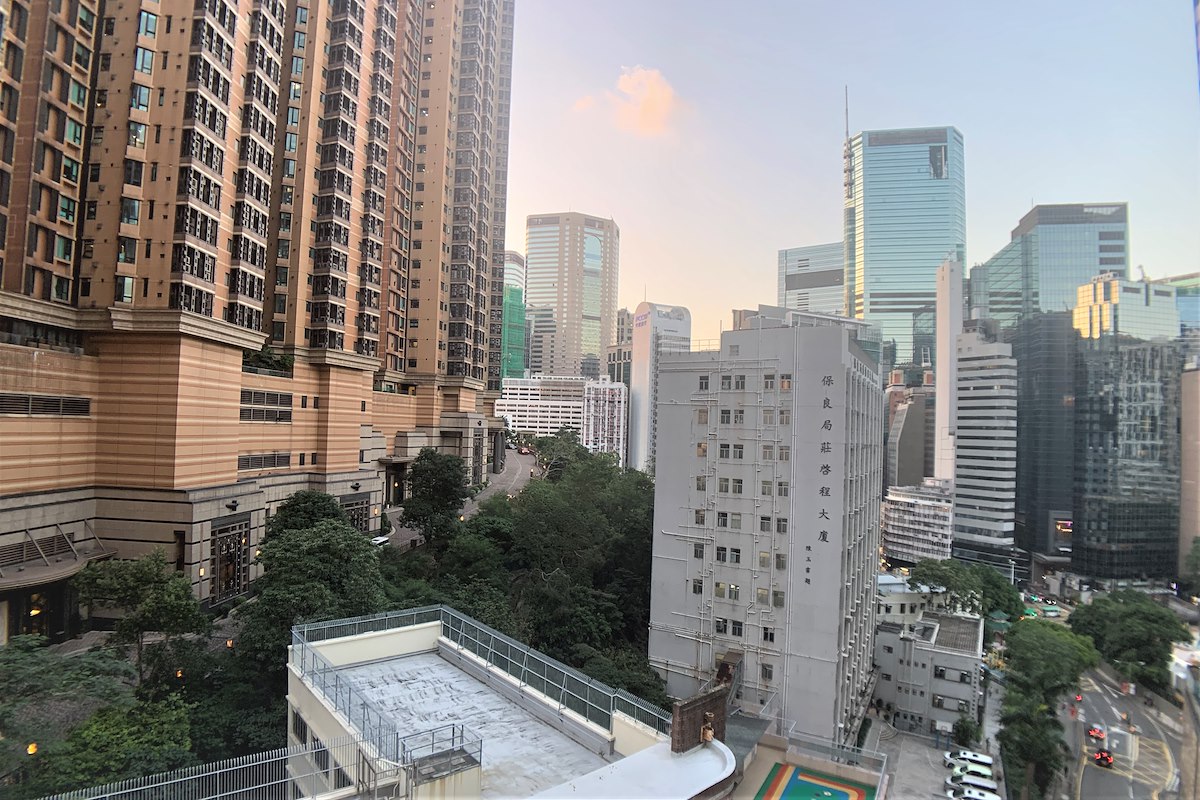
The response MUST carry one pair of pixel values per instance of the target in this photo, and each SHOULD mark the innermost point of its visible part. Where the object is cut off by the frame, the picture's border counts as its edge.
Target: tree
(437, 491)
(962, 586)
(303, 510)
(117, 743)
(45, 695)
(1134, 634)
(965, 731)
(474, 558)
(997, 593)
(558, 452)
(324, 572)
(1031, 736)
(150, 598)
(1191, 567)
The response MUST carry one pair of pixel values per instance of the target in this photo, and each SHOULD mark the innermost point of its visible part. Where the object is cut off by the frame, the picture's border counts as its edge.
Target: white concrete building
(812, 278)
(949, 325)
(918, 522)
(766, 519)
(656, 328)
(985, 475)
(903, 603)
(544, 405)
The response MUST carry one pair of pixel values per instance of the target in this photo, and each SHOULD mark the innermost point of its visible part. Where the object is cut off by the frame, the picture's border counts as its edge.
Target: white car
(953, 758)
(379, 541)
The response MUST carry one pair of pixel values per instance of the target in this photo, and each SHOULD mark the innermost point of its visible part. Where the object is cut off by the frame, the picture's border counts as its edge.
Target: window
(768, 416)
(725, 416)
(734, 591)
(735, 349)
(723, 485)
(124, 293)
(147, 24)
(783, 488)
(739, 382)
(137, 134)
(78, 93)
(777, 598)
(768, 452)
(298, 41)
(726, 382)
(762, 595)
(702, 416)
(143, 60)
(781, 561)
(699, 516)
(764, 524)
(735, 521)
(769, 380)
(301, 15)
(738, 451)
(939, 701)
(767, 671)
(964, 677)
(701, 483)
(722, 555)
(722, 519)
(764, 561)
(887, 648)
(133, 172)
(289, 168)
(697, 586)
(697, 550)
(73, 132)
(737, 485)
(781, 525)
(290, 140)
(131, 211)
(785, 452)
(785, 382)
(735, 627)
(66, 208)
(719, 589)
(139, 97)
(64, 248)
(939, 672)
(70, 169)
(720, 625)
(785, 416)
(739, 416)
(766, 490)
(885, 676)
(702, 449)
(768, 634)
(724, 451)
(703, 385)
(735, 555)
(90, 210)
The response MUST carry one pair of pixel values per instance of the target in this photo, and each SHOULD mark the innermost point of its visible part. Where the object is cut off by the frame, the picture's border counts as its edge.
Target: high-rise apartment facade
(905, 213)
(656, 329)
(918, 522)
(813, 278)
(249, 174)
(572, 262)
(543, 405)
(985, 443)
(1054, 249)
(513, 345)
(620, 352)
(766, 520)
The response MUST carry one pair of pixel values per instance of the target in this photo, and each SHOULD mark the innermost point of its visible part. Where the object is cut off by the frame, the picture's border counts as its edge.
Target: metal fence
(570, 688)
(870, 760)
(319, 767)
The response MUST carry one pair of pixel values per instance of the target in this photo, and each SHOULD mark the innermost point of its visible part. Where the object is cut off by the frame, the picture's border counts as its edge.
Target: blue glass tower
(905, 212)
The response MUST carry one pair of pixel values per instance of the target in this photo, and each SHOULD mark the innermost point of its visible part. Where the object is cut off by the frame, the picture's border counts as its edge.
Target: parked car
(953, 758)
(379, 541)
(970, 768)
(971, 782)
(972, 794)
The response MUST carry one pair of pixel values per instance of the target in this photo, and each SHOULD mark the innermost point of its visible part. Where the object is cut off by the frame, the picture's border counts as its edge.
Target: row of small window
(737, 452)
(733, 555)
(735, 485)
(737, 383)
(770, 416)
(732, 591)
(271, 460)
(733, 521)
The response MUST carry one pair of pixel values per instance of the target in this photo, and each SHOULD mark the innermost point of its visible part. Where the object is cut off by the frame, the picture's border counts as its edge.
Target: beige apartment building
(182, 185)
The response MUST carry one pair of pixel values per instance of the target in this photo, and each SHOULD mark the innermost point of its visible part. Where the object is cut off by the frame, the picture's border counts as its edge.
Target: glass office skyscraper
(513, 355)
(1054, 250)
(905, 212)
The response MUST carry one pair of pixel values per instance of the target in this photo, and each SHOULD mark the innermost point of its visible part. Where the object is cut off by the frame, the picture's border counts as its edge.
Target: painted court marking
(787, 782)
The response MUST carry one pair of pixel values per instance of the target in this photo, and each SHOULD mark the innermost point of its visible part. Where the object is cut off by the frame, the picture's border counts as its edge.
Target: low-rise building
(929, 670)
(901, 602)
(918, 522)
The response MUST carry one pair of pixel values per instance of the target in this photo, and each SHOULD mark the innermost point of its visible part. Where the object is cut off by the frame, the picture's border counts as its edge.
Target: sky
(712, 131)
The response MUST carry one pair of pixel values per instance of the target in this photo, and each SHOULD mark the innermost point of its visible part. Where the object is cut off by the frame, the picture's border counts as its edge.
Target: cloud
(643, 104)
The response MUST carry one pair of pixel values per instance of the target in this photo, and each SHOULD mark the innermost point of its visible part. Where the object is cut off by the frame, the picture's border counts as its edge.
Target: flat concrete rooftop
(522, 755)
(956, 633)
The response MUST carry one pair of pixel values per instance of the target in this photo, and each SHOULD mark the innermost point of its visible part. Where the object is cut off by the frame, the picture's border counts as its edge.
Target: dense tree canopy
(303, 510)
(976, 588)
(150, 597)
(437, 490)
(1133, 633)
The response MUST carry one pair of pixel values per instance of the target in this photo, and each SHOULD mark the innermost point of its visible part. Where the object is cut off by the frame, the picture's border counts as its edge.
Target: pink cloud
(643, 104)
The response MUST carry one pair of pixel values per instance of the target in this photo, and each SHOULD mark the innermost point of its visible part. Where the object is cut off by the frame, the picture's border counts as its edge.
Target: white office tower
(766, 519)
(949, 325)
(985, 477)
(656, 328)
(544, 405)
(918, 522)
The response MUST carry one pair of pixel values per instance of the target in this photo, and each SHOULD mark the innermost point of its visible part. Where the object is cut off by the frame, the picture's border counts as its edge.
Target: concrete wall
(377, 645)
(631, 736)
(459, 786)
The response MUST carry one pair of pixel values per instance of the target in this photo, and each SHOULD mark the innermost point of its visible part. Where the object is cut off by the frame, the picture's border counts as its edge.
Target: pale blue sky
(725, 145)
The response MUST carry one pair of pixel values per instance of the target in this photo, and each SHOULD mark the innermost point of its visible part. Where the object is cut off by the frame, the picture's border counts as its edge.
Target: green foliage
(965, 731)
(961, 585)
(324, 572)
(1045, 660)
(997, 593)
(437, 491)
(116, 743)
(1191, 568)
(557, 453)
(266, 358)
(44, 695)
(303, 510)
(149, 596)
(1134, 634)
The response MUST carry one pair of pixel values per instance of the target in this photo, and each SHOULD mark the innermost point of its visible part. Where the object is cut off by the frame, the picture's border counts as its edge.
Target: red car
(1096, 732)
(1103, 758)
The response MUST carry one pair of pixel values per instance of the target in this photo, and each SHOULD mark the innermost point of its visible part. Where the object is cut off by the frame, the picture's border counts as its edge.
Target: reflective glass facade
(1130, 308)
(812, 278)
(905, 211)
(1126, 459)
(513, 355)
(1054, 250)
